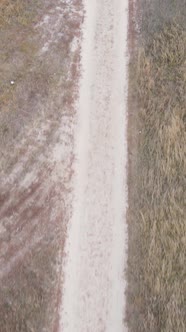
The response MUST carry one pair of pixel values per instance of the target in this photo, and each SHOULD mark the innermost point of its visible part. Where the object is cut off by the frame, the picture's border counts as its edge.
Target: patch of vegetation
(17, 56)
(17, 46)
(15, 11)
(27, 300)
(157, 269)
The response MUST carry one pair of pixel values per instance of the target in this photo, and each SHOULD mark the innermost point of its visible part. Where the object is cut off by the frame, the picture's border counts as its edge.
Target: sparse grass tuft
(157, 270)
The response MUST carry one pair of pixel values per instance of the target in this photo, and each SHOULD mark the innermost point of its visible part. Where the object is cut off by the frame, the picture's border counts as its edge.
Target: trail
(94, 285)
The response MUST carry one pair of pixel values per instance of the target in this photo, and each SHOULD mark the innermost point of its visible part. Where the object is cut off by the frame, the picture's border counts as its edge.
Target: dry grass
(21, 102)
(15, 11)
(27, 296)
(157, 252)
(17, 52)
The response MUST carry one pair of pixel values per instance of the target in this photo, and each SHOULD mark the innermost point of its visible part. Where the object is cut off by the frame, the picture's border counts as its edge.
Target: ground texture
(39, 64)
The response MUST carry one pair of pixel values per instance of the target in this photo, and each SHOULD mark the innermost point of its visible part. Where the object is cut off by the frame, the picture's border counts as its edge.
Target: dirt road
(96, 247)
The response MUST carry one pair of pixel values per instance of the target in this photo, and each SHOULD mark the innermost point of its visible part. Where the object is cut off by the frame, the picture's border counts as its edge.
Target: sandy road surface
(93, 292)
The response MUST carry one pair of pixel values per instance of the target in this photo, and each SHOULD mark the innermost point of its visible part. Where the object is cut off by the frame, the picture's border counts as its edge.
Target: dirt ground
(94, 291)
(39, 68)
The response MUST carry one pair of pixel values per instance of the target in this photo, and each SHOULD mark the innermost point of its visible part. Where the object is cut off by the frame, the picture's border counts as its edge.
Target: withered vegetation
(157, 225)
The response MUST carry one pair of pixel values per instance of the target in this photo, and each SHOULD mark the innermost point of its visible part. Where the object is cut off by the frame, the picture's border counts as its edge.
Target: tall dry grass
(157, 264)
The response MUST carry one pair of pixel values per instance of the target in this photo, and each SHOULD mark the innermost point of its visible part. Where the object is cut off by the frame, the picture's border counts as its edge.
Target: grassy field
(157, 224)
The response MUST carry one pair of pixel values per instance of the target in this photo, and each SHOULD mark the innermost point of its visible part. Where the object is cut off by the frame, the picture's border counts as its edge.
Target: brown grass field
(157, 224)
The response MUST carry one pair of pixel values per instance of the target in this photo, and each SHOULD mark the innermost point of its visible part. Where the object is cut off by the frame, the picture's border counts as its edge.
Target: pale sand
(93, 298)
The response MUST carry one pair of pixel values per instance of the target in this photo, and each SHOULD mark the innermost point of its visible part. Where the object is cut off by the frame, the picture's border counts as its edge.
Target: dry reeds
(157, 270)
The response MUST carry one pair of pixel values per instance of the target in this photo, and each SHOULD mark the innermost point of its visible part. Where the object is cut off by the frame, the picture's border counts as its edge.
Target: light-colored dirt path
(96, 248)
